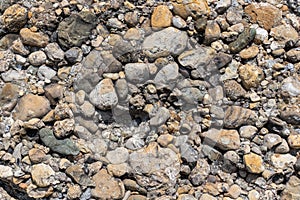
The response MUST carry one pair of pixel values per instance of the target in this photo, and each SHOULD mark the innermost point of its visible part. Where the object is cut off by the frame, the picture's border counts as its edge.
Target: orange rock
(254, 163)
(161, 17)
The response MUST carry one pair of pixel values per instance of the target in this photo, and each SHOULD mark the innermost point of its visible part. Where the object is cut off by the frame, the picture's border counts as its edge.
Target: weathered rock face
(30, 106)
(251, 75)
(265, 14)
(236, 116)
(36, 39)
(14, 17)
(74, 30)
(291, 192)
(254, 163)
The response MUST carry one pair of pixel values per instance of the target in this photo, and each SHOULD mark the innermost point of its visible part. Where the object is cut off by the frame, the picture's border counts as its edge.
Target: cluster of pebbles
(136, 99)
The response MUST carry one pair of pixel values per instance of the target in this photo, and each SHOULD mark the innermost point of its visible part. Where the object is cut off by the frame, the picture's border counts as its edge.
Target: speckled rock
(291, 85)
(254, 163)
(243, 40)
(283, 161)
(194, 8)
(161, 17)
(37, 39)
(117, 156)
(234, 90)
(291, 191)
(251, 75)
(14, 18)
(37, 58)
(42, 175)
(236, 116)
(77, 173)
(54, 52)
(137, 73)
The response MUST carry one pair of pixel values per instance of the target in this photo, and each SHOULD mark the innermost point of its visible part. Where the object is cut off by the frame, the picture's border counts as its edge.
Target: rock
(18, 48)
(254, 163)
(8, 60)
(222, 6)
(74, 192)
(223, 139)
(118, 170)
(249, 53)
(125, 52)
(291, 85)
(207, 197)
(294, 141)
(261, 35)
(165, 140)
(104, 95)
(160, 117)
(234, 191)
(137, 73)
(248, 131)
(188, 153)
(165, 42)
(291, 192)
(134, 143)
(194, 8)
(37, 58)
(45, 73)
(167, 76)
(212, 32)
(178, 22)
(200, 173)
(9, 93)
(283, 161)
(265, 14)
(107, 187)
(117, 156)
(78, 175)
(54, 52)
(42, 175)
(243, 40)
(161, 17)
(63, 128)
(31, 106)
(271, 140)
(121, 88)
(234, 90)
(74, 30)
(14, 18)
(64, 147)
(236, 116)
(283, 147)
(87, 109)
(186, 197)
(5, 172)
(36, 155)
(54, 92)
(74, 55)
(251, 75)
(137, 197)
(36, 39)
(293, 55)
(291, 114)
(284, 33)
(253, 195)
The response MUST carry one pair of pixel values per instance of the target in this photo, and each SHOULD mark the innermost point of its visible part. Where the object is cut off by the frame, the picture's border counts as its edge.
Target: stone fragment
(18, 48)
(283, 161)
(212, 32)
(77, 174)
(7, 60)
(161, 17)
(188, 153)
(291, 191)
(223, 139)
(45, 73)
(251, 75)
(64, 147)
(236, 116)
(36, 192)
(42, 175)
(54, 52)
(63, 128)
(117, 156)
(200, 173)
(36, 155)
(243, 40)
(291, 114)
(31, 106)
(271, 140)
(104, 95)
(178, 22)
(167, 76)
(9, 93)
(14, 18)
(207, 197)
(74, 55)
(121, 88)
(234, 90)
(194, 8)
(74, 30)
(54, 92)
(36, 39)
(253, 195)
(137, 73)
(265, 14)
(254, 163)
(294, 141)
(284, 33)
(291, 85)
(74, 192)
(118, 170)
(293, 55)
(6, 172)
(234, 191)
(125, 52)
(37, 58)
(165, 42)
(107, 187)
(248, 131)
(161, 116)
(249, 53)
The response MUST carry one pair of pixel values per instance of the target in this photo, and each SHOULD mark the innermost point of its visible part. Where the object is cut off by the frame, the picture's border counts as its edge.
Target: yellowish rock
(249, 53)
(254, 163)
(161, 17)
(251, 75)
(294, 141)
(194, 8)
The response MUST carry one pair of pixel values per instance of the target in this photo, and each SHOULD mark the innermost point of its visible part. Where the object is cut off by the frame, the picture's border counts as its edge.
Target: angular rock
(74, 30)
(251, 75)
(284, 33)
(167, 76)
(200, 173)
(291, 114)
(63, 128)
(54, 52)
(291, 192)
(36, 39)
(249, 53)
(42, 175)
(254, 163)
(223, 139)
(7, 60)
(161, 116)
(294, 141)
(125, 52)
(137, 73)
(293, 55)
(31, 106)
(64, 147)
(283, 161)
(107, 187)
(14, 18)
(248, 131)
(5, 171)
(194, 8)
(36, 155)
(271, 140)
(242, 41)
(165, 42)
(77, 174)
(188, 153)
(234, 90)
(161, 17)
(236, 116)
(45, 73)
(74, 55)
(212, 32)
(104, 95)
(9, 93)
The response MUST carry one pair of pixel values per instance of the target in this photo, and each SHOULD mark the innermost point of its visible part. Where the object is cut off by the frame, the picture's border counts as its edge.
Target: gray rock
(137, 73)
(121, 88)
(167, 76)
(64, 147)
(54, 52)
(37, 58)
(291, 192)
(291, 85)
(104, 95)
(283, 161)
(13, 75)
(188, 153)
(200, 172)
(161, 116)
(271, 140)
(248, 131)
(74, 30)
(7, 60)
(45, 72)
(118, 156)
(134, 143)
(125, 52)
(74, 55)
(165, 42)
(190, 97)
(236, 116)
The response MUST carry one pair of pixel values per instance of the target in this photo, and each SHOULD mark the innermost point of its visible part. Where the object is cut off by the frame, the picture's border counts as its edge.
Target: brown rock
(251, 75)
(265, 14)
(236, 116)
(161, 17)
(165, 139)
(42, 175)
(212, 32)
(31, 38)
(291, 114)
(284, 33)
(234, 191)
(54, 92)
(194, 8)
(249, 53)
(234, 90)
(14, 18)
(223, 139)
(8, 93)
(36, 155)
(31, 106)
(137, 197)
(254, 163)
(74, 192)
(107, 187)
(118, 170)
(77, 173)
(294, 141)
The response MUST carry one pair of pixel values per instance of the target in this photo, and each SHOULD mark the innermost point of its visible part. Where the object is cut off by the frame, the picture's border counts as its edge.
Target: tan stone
(249, 53)
(8, 93)
(118, 169)
(78, 175)
(254, 163)
(194, 8)
(161, 17)
(36, 155)
(164, 140)
(265, 14)
(74, 192)
(14, 17)
(36, 39)
(284, 33)
(41, 175)
(294, 141)
(251, 75)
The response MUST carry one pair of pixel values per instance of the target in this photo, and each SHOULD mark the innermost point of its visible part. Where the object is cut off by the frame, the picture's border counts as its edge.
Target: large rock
(14, 17)
(42, 175)
(251, 75)
(284, 33)
(74, 30)
(31, 106)
(167, 76)
(165, 42)
(254, 163)
(104, 95)
(36, 39)
(9, 93)
(194, 8)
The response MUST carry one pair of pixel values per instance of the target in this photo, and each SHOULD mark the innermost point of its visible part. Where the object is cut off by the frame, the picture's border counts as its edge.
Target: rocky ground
(149, 99)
